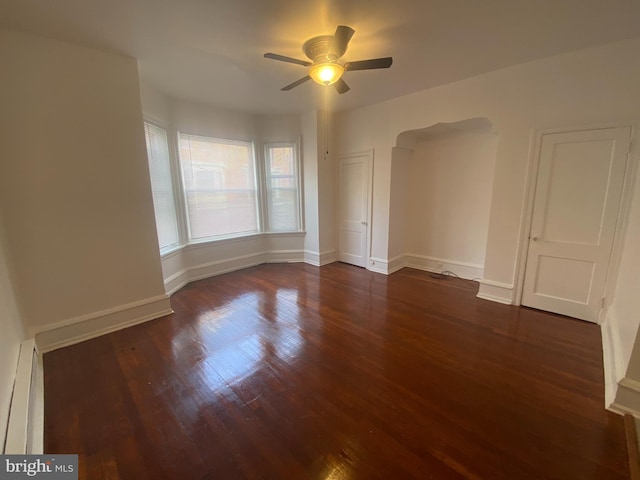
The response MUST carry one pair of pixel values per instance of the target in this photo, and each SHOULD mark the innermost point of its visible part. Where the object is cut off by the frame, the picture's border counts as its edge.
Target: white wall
(449, 199)
(581, 88)
(155, 104)
(198, 119)
(10, 338)
(319, 173)
(327, 188)
(76, 194)
(621, 332)
(279, 128)
(621, 335)
(625, 306)
(309, 122)
(398, 213)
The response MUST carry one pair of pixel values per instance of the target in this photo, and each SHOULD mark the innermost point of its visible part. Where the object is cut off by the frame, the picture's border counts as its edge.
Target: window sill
(231, 239)
(171, 250)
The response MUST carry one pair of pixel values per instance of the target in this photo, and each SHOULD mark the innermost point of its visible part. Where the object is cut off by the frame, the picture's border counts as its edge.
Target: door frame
(531, 181)
(370, 159)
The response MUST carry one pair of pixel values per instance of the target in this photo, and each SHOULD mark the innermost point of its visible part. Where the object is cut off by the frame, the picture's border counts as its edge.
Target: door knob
(534, 238)
(363, 222)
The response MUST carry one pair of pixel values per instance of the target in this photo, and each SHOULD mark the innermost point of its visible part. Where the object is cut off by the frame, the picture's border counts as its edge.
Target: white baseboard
(424, 263)
(378, 265)
(176, 281)
(85, 327)
(496, 291)
(319, 259)
(198, 272)
(25, 430)
(312, 258)
(611, 357)
(622, 394)
(211, 269)
(396, 263)
(627, 398)
(328, 256)
(469, 271)
(285, 256)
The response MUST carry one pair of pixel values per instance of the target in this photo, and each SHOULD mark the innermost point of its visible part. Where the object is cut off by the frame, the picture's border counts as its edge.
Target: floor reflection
(236, 339)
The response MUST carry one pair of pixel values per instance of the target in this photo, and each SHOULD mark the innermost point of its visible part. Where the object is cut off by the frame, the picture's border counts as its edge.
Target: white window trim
(266, 177)
(150, 119)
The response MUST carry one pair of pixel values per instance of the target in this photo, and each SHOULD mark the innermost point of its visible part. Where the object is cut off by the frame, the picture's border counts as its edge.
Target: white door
(354, 208)
(578, 191)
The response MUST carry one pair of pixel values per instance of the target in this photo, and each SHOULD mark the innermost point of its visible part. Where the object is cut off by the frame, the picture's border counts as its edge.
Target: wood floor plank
(295, 371)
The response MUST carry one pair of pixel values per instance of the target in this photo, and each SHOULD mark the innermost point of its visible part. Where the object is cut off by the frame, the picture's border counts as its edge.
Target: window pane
(161, 185)
(282, 189)
(283, 182)
(283, 214)
(282, 160)
(220, 186)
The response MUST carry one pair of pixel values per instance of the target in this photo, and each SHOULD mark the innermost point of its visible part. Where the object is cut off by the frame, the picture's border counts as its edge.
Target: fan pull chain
(326, 121)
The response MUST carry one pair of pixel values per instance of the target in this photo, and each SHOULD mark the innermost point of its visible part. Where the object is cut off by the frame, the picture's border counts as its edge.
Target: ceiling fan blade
(371, 64)
(282, 58)
(296, 83)
(340, 40)
(341, 86)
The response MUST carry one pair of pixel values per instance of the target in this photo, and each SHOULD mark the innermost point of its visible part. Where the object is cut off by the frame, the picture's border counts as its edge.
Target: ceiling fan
(325, 51)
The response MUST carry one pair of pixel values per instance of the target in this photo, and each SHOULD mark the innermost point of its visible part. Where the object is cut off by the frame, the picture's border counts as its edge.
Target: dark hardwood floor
(295, 372)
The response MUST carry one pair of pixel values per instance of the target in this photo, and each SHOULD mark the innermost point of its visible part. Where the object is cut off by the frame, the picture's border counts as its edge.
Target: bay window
(224, 191)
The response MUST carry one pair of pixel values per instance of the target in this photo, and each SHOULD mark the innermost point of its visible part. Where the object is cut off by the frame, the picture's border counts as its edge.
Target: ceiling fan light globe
(326, 73)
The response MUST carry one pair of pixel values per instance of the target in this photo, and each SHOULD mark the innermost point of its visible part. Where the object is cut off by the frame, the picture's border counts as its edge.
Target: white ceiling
(211, 50)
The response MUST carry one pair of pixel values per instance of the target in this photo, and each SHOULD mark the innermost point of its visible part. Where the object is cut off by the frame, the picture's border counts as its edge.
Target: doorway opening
(441, 188)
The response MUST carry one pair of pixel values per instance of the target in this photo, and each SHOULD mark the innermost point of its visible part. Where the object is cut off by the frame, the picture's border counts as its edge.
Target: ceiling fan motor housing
(317, 49)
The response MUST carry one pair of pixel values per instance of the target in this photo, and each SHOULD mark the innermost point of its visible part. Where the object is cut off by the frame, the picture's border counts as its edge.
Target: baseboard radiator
(25, 430)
